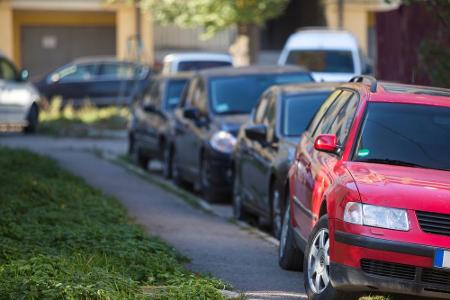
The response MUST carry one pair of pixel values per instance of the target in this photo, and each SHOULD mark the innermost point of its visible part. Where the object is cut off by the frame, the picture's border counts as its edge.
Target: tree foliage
(214, 15)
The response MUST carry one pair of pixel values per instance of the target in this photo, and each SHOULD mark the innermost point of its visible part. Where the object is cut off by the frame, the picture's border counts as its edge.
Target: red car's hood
(402, 187)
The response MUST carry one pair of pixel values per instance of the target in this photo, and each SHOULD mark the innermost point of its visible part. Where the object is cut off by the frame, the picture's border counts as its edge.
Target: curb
(199, 202)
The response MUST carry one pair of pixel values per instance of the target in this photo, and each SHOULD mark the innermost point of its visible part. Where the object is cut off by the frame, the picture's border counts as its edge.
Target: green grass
(61, 239)
(85, 121)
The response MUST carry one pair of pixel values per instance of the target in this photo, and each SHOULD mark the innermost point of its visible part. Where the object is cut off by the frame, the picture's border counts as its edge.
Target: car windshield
(174, 90)
(185, 66)
(406, 134)
(239, 94)
(326, 61)
(298, 111)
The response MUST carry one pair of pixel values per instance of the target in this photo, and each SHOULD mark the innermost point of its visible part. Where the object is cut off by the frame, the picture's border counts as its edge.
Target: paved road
(215, 245)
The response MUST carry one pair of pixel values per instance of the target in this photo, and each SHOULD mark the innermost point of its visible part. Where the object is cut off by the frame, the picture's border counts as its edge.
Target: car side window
(331, 113)
(188, 101)
(77, 73)
(150, 93)
(7, 71)
(261, 108)
(344, 119)
(199, 97)
(270, 116)
(322, 110)
(116, 71)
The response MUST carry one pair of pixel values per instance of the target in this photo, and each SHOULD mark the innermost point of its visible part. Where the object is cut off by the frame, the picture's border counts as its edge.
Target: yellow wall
(62, 18)
(127, 33)
(6, 29)
(355, 21)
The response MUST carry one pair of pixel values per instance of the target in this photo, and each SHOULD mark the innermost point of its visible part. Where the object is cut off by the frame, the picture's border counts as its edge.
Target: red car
(369, 205)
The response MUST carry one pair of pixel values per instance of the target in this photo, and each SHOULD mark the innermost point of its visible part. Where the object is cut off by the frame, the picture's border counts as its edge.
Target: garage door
(45, 48)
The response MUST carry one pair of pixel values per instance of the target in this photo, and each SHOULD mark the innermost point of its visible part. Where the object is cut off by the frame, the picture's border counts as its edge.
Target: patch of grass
(84, 121)
(61, 239)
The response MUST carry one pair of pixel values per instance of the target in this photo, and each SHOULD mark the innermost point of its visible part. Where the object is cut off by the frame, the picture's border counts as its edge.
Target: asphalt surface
(214, 244)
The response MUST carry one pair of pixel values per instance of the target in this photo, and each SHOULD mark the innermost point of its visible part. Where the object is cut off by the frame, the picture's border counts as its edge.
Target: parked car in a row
(331, 55)
(190, 62)
(19, 100)
(265, 150)
(369, 203)
(101, 80)
(152, 121)
(207, 121)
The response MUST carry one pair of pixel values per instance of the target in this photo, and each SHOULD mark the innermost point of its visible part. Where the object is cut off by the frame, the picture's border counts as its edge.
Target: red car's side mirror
(326, 143)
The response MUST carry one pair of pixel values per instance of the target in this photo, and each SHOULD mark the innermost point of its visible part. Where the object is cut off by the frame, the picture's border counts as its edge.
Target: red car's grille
(434, 223)
(430, 279)
(388, 269)
(436, 277)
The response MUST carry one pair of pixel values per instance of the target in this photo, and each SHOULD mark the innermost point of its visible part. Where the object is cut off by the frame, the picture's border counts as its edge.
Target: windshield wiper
(395, 162)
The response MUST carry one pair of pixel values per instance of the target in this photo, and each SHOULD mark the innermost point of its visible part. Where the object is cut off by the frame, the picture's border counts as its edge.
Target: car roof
(299, 88)
(402, 93)
(322, 38)
(199, 56)
(100, 59)
(174, 76)
(249, 70)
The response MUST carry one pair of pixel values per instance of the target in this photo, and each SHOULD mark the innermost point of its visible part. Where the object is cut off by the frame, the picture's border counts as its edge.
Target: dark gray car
(207, 120)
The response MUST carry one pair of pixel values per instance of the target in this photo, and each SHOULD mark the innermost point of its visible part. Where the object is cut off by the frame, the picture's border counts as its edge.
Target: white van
(185, 62)
(330, 55)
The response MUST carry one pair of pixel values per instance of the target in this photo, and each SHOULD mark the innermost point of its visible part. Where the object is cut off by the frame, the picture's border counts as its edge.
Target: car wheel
(276, 212)
(239, 212)
(289, 256)
(137, 157)
(167, 162)
(317, 265)
(206, 188)
(33, 119)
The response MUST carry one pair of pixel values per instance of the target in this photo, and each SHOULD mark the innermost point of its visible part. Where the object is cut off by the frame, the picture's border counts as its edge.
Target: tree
(217, 15)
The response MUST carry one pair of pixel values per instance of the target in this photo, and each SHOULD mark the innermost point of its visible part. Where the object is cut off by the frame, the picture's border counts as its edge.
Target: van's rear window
(326, 61)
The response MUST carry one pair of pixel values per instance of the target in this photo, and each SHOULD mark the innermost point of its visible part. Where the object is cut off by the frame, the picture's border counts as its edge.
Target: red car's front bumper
(382, 260)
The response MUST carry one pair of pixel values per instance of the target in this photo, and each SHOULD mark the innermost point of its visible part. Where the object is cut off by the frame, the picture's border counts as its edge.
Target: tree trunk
(245, 48)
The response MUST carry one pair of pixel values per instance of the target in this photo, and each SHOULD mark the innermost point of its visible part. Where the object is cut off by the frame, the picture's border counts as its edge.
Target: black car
(102, 81)
(266, 147)
(150, 128)
(218, 101)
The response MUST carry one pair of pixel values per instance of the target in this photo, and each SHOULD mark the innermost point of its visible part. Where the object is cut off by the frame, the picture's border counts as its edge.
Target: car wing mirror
(149, 108)
(24, 75)
(55, 78)
(326, 143)
(191, 113)
(256, 132)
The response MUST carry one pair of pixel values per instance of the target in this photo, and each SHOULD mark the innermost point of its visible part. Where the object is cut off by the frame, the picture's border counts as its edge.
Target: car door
(10, 101)
(72, 82)
(114, 83)
(249, 149)
(151, 115)
(182, 131)
(264, 155)
(198, 128)
(306, 162)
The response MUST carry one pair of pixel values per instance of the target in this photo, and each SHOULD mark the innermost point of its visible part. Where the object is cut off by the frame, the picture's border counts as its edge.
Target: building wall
(15, 14)
(358, 19)
(400, 34)
(55, 18)
(6, 29)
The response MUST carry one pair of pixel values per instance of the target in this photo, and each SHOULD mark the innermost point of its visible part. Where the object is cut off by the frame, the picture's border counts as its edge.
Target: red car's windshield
(405, 134)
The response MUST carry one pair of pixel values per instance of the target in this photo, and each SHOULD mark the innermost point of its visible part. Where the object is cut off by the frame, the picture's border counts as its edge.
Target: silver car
(19, 100)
